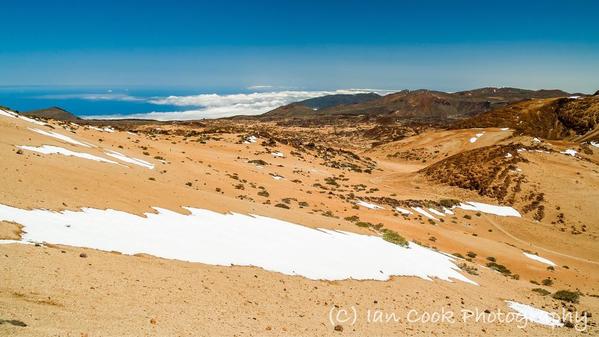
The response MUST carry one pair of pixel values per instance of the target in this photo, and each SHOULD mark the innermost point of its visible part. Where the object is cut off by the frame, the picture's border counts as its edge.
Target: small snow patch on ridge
(425, 213)
(130, 160)
(368, 205)
(534, 315)
(490, 209)
(59, 136)
(476, 137)
(539, 259)
(570, 152)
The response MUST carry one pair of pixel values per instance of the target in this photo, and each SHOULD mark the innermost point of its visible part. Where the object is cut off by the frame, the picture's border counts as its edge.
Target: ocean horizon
(161, 103)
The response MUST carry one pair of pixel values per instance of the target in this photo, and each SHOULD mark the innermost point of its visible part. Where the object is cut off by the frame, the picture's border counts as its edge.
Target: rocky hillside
(547, 118)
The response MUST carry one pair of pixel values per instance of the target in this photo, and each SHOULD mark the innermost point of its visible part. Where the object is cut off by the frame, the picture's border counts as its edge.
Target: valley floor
(80, 273)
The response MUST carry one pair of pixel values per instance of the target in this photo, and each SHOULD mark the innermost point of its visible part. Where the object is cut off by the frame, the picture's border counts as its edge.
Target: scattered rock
(338, 328)
(83, 255)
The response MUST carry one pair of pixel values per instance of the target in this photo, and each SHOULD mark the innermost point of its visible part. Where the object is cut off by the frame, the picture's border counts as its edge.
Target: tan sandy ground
(56, 292)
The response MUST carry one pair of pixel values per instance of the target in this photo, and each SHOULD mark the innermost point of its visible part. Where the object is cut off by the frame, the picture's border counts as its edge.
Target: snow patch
(11, 114)
(8, 114)
(476, 137)
(534, 315)
(570, 152)
(489, 209)
(250, 140)
(539, 259)
(434, 211)
(235, 239)
(49, 149)
(425, 213)
(368, 205)
(130, 160)
(59, 136)
(403, 211)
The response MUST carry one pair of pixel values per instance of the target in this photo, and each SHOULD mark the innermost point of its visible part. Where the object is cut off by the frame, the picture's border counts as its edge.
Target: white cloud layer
(109, 96)
(216, 106)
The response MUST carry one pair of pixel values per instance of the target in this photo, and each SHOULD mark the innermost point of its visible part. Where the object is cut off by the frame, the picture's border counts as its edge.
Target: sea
(88, 101)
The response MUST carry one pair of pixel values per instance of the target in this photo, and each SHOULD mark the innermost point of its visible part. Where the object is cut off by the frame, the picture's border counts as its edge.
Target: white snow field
(50, 149)
(539, 259)
(490, 209)
(534, 315)
(235, 239)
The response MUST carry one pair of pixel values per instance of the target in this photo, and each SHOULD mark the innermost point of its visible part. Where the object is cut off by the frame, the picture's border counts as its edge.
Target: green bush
(395, 238)
(547, 282)
(499, 267)
(567, 296)
(541, 291)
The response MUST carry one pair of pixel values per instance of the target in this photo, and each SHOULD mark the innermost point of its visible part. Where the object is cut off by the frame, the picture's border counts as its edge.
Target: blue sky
(309, 45)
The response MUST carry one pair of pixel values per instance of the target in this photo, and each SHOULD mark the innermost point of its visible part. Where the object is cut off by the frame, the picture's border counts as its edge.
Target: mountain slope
(423, 105)
(307, 107)
(547, 118)
(52, 113)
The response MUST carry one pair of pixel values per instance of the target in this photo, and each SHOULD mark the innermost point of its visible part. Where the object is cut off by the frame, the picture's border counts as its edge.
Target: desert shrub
(258, 162)
(394, 237)
(491, 258)
(282, 206)
(541, 291)
(467, 216)
(352, 218)
(469, 269)
(547, 282)
(471, 254)
(303, 204)
(499, 267)
(567, 296)
(458, 255)
(363, 224)
(331, 181)
(263, 193)
(449, 203)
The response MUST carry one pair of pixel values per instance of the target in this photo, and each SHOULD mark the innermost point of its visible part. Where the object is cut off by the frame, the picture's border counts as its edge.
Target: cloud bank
(217, 106)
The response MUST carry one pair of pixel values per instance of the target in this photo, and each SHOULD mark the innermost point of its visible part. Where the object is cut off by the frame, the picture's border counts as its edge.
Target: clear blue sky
(448, 45)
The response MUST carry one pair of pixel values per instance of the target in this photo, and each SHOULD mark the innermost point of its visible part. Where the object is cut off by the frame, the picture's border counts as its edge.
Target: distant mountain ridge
(420, 105)
(306, 107)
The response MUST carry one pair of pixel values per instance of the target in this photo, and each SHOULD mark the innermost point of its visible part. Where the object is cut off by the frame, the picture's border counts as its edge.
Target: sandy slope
(56, 292)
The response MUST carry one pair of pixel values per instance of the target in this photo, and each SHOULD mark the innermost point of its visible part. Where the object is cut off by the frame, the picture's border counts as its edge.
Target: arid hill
(307, 107)
(546, 118)
(52, 113)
